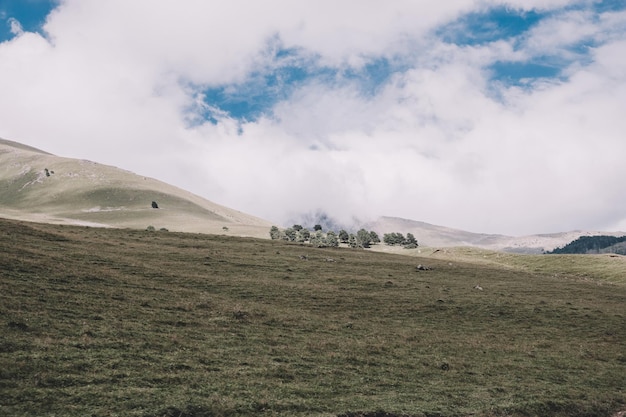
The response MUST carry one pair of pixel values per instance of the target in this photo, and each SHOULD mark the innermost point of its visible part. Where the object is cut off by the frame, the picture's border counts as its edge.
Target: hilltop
(38, 186)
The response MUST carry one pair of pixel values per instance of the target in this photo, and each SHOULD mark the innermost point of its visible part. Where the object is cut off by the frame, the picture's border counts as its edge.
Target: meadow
(120, 322)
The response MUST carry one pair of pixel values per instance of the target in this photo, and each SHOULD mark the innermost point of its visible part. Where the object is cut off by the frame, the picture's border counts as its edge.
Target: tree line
(361, 239)
(589, 244)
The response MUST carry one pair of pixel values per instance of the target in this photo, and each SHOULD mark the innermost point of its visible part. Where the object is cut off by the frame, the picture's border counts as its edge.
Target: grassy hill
(38, 186)
(105, 322)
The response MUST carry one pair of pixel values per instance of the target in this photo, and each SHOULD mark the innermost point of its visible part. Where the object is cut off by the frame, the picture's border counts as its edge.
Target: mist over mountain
(429, 235)
(38, 186)
(319, 217)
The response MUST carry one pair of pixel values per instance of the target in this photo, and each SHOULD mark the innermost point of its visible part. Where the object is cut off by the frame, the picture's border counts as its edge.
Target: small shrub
(150, 229)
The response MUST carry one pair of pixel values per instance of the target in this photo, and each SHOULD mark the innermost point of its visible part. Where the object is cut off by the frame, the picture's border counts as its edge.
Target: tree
(300, 237)
(317, 227)
(331, 239)
(290, 234)
(275, 233)
(410, 241)
(343, 236)
(363, 238)
(352, 241)
(297, 227)
(393, 239)
(374, 237)
(318, 240)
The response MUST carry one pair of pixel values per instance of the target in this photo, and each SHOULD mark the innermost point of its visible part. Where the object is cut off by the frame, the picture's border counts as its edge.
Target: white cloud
(15, 27)
(119, 82)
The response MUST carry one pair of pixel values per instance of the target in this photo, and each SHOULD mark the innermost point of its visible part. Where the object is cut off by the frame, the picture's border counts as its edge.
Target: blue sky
(263, 88)
(485, 105)
(257, 95)
(31, 14)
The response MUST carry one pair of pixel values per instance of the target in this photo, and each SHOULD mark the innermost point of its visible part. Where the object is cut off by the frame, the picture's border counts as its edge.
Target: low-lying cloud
(436, 134)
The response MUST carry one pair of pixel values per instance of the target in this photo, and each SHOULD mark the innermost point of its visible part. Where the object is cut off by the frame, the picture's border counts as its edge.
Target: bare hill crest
(38, 186)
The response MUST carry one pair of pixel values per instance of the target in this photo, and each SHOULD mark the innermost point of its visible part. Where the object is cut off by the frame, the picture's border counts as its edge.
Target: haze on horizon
(488, 116)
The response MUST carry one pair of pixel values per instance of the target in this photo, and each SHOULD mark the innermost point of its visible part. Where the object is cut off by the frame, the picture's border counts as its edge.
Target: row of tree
(361, 239)
(408, 242)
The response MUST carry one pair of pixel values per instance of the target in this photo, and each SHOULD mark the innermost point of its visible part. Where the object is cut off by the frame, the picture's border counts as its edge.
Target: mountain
(41, 187)
(38, 186)
(439, 236)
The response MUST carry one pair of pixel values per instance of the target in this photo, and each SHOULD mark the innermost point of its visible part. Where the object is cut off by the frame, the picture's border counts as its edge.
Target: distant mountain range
(430, 235)
(439, 236)
(38, 186)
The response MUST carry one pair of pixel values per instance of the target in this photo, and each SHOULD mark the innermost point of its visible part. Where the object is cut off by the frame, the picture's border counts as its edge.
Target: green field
(109, 322)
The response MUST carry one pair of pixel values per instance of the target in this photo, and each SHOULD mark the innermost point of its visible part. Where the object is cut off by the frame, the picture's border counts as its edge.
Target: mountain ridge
(38, 186)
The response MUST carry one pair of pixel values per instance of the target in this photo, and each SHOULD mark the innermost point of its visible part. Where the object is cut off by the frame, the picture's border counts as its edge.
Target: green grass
(104, 322)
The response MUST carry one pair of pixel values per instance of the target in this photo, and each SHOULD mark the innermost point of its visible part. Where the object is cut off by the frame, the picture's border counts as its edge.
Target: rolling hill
(38, 186)
(439, 236)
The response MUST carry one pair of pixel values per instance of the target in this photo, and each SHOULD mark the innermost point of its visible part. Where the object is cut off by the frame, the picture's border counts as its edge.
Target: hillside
(438, 236)
(38, 186)
(104, 322)
(594, 244)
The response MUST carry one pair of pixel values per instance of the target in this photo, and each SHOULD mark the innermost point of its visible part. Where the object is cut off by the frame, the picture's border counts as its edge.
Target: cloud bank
(490, 116)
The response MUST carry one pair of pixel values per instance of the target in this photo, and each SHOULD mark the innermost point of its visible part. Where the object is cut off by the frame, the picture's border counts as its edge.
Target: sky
(489, 116)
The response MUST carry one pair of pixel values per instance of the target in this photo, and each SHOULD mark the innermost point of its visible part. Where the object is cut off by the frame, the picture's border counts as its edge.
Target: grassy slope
(84, 192)
(119, 322)
(598, 268)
